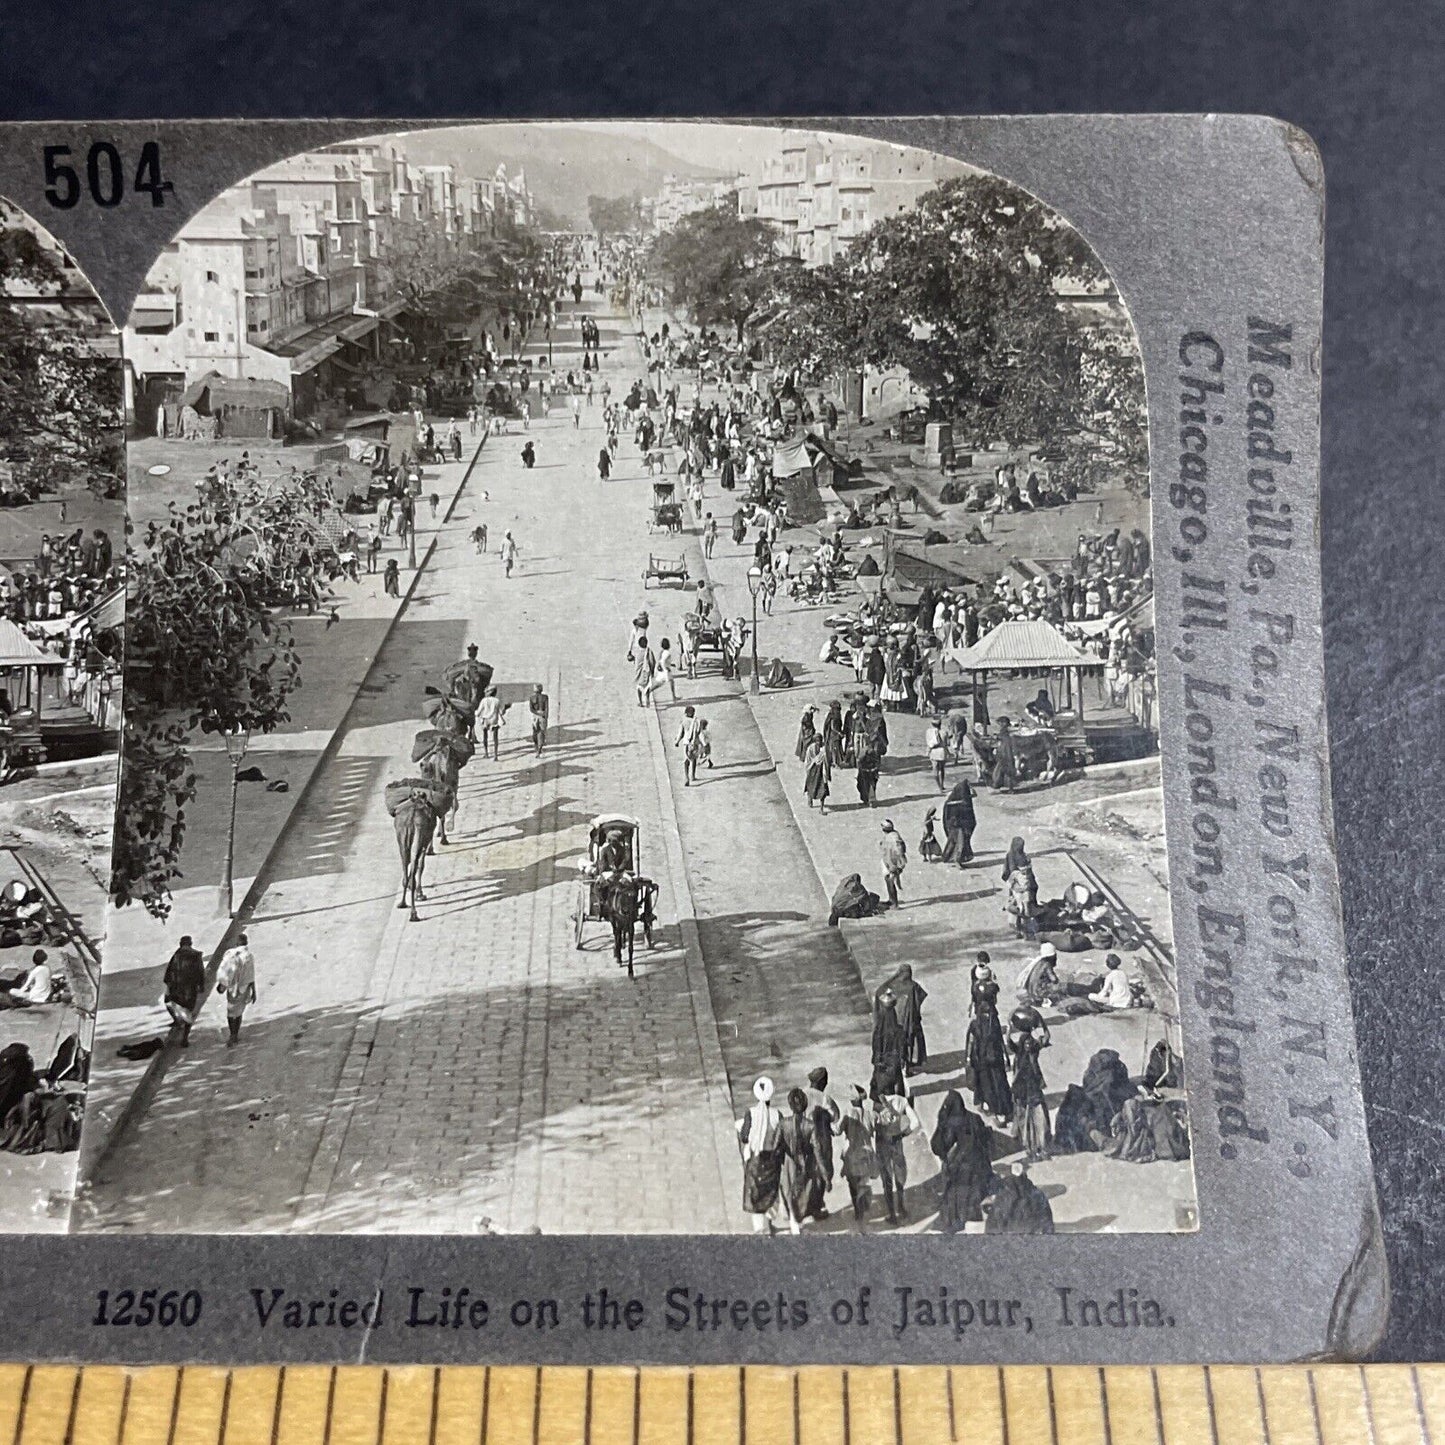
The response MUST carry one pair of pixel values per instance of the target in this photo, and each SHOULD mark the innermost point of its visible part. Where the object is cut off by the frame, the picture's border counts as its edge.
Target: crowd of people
(801, 1141)
(53, 602)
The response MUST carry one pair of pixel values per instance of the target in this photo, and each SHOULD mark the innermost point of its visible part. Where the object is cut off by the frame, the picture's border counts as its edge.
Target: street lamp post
(755, 582)
(237, 741)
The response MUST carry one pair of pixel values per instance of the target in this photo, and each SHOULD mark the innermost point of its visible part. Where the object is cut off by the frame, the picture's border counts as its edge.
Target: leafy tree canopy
(60, 378)
(967, 291)
(716, 264)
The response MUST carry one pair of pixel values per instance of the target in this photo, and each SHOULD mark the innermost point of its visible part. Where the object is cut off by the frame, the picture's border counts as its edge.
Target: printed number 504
(148, 1307)
(105, 174)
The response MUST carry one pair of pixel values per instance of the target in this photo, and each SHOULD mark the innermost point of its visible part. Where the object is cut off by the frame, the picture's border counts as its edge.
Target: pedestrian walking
(909, 997)
(817, 772)
(383, 515)
(236, 978)
(538, 706)
(894, 1119)
(959, 822)
(860, 1159)
(804, 1184)
(928, 847)
(529, 456)
(604, 464)
(1028, 1035)
(644, 668)
(509, 552)
(826, 1116)
(479, 536)
(391, 579)
(689, 739)
(868, 767)
(937, 750)
(525, 407)
(373, 550)
(887, 1049)
(961, 1143)
(760, 1140)
(576, 411)
(663, 673)
(709, 535)
(985, 1071)
(434, 501)
(895, 859)
(185, 978)
(456, 442)
(490, 716)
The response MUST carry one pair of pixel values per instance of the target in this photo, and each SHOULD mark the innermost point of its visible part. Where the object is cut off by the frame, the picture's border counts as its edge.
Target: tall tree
(206, 653)
(717, 264)
(998, 309)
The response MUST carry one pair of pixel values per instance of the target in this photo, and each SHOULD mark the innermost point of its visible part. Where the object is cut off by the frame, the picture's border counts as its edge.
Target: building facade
(284, 277)
(821, 194)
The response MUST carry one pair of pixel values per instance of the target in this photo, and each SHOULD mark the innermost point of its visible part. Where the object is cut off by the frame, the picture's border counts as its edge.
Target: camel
(451, 715)
(442, 764)
(468, 680)
(415, 821)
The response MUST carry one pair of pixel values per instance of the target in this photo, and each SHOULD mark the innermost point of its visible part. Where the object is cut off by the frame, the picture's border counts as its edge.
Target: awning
(17, 650)
(1022, 644)
(790, 458)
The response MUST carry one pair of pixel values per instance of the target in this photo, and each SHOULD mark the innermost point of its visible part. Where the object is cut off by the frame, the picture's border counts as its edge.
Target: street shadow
(400, 1164)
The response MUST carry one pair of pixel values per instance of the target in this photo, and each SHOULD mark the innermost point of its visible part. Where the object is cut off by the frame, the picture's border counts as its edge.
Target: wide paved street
(472, 1071)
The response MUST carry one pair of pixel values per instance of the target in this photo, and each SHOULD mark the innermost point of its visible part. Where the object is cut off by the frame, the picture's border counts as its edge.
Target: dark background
(1367, 80)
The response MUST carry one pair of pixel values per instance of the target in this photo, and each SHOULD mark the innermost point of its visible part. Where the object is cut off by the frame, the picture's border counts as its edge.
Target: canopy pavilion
(20, 656)
(1031, 645)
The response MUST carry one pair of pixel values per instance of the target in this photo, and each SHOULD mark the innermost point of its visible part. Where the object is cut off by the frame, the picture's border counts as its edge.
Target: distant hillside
(564, 164)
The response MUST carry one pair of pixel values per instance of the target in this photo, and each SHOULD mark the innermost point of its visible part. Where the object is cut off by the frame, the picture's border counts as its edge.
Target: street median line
(144, 1093)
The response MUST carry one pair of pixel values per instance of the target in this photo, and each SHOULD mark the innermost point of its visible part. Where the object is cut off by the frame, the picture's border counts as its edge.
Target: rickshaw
(704, 634)
(591, 901)
(666, 509)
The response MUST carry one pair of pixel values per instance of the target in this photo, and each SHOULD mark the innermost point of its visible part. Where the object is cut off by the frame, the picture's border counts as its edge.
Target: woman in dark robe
(740, 527)
(1018, 858)
(959, 822)
(728, 479)
(961, 1142)
(833, 735)
(807, 731)
(888, 1048)
(803, 1181)
(868, 768)
(816, 773)
(927, 603)
(985, 1060)
(1019, 1207)
(1031, 1113)
(17, 1076)
(910, 997)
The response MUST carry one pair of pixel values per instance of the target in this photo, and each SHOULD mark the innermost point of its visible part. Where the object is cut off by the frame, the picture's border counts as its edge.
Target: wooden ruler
(759, 1405)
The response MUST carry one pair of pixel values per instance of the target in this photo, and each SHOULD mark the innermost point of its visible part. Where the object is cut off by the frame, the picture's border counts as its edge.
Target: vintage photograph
(639, 705)
(62, 483)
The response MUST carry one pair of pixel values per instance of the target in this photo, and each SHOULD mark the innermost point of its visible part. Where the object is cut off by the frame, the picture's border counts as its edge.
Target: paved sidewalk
(948, 914)
(335, 660)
